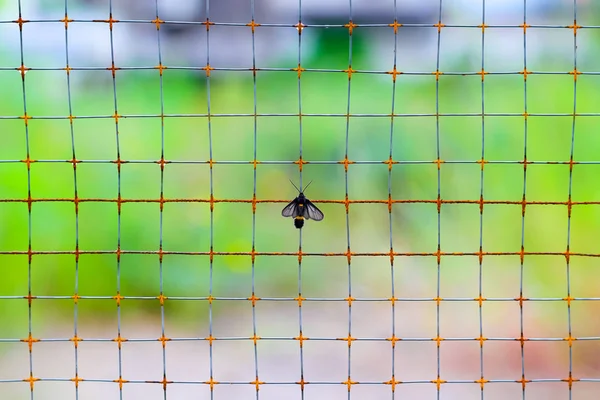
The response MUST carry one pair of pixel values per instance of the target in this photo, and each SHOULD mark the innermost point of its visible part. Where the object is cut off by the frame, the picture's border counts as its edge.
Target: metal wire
(395, 302)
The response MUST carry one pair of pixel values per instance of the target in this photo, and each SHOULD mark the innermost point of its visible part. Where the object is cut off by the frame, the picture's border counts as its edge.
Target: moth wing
(291, 210)
(312, 212)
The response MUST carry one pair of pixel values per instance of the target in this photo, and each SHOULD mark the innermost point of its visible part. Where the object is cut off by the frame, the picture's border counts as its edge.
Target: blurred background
(185, 227)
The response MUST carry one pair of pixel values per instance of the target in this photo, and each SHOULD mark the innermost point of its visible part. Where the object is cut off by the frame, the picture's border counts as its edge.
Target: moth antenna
(296, 187)
(307, 186)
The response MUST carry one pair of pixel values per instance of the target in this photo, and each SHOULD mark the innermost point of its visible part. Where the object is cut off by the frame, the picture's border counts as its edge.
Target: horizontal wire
(208, 22)
(303, 299)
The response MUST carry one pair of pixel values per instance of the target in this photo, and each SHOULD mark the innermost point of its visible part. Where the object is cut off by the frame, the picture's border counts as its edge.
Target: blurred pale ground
(186, 226)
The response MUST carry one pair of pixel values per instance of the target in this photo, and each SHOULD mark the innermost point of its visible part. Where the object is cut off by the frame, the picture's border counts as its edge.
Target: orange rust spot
(345, 162)
(68, 70)
(74, 162)
(481, 339)
(482, 26)
(395, 25)
(521, 299)
(28, 161)
(118, 298)
(439, 26)
(164, 382)
(437, 300)
(522, 340)
(300, 338)
(255, 163)
(349, 383)
(349, 71)
(253, 299)
(570, 339)
(110, 21)
(113, 69)
(25, 118)
(575, 27)
(522, 252)
(394, 72)
(209, 339)
(157, 22)
(116, 117)
(160, 68)
(390, 162)
(211, 382)
(348, 253)
(163, 340)
(120, 381)
(207, 69)
(393, 339)
(483, 73)
(525, 72)
(523, 381)
(120, 340)
(71, 118)
(438, 162)
(76, 298)
(254, 338)
(76, 380)
(300, 256)
(437, 74)
(349, 299)
(162, 162)
(253, 212)
(302, 382)
(256, 383)
(20, 22)
(75, 339)
(31, 381)
(438, 382)
(348, 339)
(30, 341)
(524, 26)
(66, 20)
(438, 253)
(161, 299)
(300, 299)
(480, 212)
(525, 115)
(393, 382)
(392, 256)
(29, 298)
(570, 380)
(480, 300)
(438, 340)
(299, 70)
(299, 27)
(523, 207)
(212, 207)
(569, 299)
(252, 25)
(300, 163)
(575, 72)
(350, 26)
(208, 23)
(569, 210)
(481, 382)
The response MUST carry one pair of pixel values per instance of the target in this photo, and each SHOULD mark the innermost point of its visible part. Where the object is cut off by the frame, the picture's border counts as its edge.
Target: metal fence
(77, 371)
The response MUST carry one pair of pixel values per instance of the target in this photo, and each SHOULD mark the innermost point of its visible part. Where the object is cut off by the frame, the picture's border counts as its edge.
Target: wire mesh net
(146, 151)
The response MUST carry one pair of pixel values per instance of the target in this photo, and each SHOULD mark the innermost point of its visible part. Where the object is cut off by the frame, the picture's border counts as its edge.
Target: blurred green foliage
(186, 225)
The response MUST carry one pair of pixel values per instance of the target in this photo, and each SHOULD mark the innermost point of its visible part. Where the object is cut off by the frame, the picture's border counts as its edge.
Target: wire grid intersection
(394, 300)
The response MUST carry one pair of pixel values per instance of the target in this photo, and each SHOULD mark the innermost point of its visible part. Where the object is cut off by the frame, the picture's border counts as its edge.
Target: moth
(302, 208)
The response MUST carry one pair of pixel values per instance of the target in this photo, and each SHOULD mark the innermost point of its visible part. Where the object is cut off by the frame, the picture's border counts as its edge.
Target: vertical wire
(522, 258)
(347, 204)
(29, 217)
(212, 214)
(74, 161)
(118, 162)
(161, 216)
(301, 338)
(569, 208)
(481, 199)
(254, 204)
(392, 274)
(439, 190)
